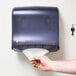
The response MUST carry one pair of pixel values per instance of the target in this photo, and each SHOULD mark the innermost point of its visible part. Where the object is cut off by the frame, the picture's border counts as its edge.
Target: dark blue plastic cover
(35, 27)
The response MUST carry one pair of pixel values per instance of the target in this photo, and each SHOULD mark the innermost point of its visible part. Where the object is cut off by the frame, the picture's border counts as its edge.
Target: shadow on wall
(59, 55)
(24, 61)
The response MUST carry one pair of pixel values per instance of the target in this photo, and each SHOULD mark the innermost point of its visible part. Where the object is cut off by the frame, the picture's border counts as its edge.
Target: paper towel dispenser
(35, 27)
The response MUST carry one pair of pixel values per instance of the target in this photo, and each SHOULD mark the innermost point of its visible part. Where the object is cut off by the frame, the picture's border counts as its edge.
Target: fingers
(39, 60)
(38, 65)
(41, 67)
(35, 63)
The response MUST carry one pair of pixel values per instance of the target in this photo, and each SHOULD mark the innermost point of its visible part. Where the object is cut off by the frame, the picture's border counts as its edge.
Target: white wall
(15, 64)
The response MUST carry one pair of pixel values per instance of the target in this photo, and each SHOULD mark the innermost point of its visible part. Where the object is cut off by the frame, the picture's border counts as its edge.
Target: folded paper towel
(34, 52)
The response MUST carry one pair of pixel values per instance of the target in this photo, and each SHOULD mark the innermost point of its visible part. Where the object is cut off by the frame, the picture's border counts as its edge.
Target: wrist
(53, 66)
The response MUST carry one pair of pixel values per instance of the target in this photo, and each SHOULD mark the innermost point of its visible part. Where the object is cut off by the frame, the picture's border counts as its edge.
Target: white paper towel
(34, 52)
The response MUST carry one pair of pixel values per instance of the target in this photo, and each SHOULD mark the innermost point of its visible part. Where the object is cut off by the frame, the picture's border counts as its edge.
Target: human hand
(42, 63)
